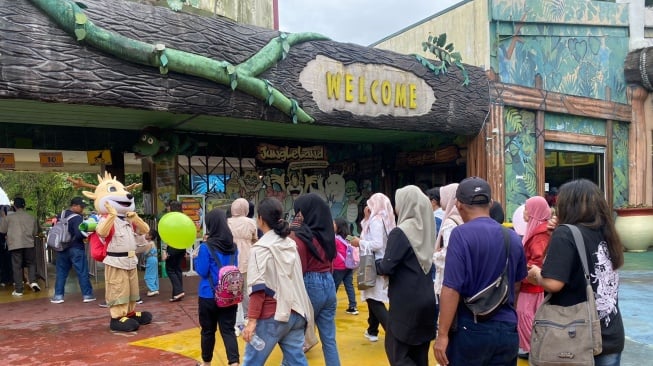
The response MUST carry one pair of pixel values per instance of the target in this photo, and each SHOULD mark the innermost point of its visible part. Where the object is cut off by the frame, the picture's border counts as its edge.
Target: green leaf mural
(520, 180)
(620, 164)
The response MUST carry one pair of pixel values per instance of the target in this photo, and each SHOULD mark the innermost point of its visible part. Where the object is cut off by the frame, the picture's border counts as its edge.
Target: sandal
(177, 297)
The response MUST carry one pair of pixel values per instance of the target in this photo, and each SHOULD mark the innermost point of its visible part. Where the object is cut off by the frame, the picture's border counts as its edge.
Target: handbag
(367, 271)
(567, 335)
(489, 300)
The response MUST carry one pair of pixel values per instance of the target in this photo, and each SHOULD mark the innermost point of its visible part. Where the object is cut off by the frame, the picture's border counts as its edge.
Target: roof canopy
(123, 65)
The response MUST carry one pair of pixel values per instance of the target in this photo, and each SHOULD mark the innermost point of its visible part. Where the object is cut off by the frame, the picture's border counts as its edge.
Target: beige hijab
(448, 204)
(415, 219)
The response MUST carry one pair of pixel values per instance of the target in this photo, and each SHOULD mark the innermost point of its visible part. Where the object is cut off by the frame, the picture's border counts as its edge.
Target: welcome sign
(366, 89)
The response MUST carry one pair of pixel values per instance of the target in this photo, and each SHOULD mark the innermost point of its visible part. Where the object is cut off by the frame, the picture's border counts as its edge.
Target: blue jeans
(152, 273)
(612, 359)
(322, 293)
(483, 343)
(74, 257)
(346, 277)
(289, 336)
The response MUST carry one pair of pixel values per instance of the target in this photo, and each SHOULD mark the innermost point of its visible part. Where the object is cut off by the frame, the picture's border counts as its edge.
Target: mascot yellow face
(111, 191)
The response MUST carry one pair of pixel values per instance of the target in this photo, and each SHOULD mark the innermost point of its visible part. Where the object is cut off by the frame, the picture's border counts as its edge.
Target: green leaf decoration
(80, 33)
(429, 40)
(233, 80)
(442, 39)
(293, 110)
(163, 70)
(80, 18)
(231, 69)
(81, 5)
(283, 35)
(164, 60)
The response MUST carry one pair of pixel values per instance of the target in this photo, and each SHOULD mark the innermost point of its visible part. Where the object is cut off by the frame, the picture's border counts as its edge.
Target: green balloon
(177, 230)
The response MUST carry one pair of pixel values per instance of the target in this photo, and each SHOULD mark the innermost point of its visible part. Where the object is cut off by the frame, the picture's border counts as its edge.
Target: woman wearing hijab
(450, 220)
(536, 239)
(245, 235)
(408, 264)
(219, 242)
(279, 308)
(316, 244)
(378, 222)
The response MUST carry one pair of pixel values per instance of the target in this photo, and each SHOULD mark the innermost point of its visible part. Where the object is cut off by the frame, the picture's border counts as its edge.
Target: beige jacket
(243, 230)
(275, 265)
(21, 229)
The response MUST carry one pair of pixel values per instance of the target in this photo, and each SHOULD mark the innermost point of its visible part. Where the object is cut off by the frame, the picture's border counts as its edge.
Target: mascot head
(109, 190)
(148, 145)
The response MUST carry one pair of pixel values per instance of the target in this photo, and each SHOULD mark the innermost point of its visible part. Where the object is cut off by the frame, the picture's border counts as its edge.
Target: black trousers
(403, 354)
(211, 318)
(173, 268)
(378, 315)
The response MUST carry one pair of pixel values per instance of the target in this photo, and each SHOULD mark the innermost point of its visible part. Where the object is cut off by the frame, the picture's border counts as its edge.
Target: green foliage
(445, 54)
(48, 193)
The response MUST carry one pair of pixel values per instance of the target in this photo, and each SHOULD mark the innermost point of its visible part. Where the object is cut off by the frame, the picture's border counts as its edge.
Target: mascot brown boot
(142, 317)
(124, 324)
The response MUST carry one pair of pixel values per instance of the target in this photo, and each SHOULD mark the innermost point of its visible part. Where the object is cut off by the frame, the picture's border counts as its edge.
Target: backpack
(98, 246)
(352, 257)
(59, 237)
(229, 289)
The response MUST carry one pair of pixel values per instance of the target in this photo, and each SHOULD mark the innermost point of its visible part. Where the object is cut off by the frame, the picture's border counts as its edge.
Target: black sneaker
(139, 301)
(352, 311)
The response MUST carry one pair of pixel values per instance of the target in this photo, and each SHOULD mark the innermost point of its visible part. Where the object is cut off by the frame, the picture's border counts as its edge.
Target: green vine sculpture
(69, 15)
(445, 53)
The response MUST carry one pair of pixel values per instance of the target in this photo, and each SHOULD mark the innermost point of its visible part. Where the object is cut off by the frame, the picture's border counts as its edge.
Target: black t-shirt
(562, 263)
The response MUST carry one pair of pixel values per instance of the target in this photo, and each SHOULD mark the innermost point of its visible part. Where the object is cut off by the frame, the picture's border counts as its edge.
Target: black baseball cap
(473, 191)
(78, 201)
(19, 202)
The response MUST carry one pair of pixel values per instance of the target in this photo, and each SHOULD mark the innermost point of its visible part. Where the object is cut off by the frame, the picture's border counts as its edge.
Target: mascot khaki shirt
(21, 228)
(124, 241)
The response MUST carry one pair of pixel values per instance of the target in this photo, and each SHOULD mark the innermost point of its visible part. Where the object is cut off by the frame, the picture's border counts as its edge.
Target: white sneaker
(35, 287)
(371, 338)
(15, 293)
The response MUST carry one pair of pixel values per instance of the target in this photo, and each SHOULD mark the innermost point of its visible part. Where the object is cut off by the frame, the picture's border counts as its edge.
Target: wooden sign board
(51, 159)
(99, 157)
(7, 161)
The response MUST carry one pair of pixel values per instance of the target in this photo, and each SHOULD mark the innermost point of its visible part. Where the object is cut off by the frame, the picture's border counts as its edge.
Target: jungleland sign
(366, 89)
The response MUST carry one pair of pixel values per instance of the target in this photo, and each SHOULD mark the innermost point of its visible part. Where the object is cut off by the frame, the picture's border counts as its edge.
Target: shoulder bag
(485, 303)
(567, 335)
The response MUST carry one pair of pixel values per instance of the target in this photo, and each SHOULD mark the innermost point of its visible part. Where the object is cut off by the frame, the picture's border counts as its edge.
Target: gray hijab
(415, 219)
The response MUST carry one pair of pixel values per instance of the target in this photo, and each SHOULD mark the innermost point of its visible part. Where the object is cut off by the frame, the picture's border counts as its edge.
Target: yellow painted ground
(353, 347)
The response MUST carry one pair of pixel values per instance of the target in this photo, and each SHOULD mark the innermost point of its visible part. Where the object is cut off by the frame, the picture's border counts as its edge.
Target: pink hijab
(538, 212)
(380, 206)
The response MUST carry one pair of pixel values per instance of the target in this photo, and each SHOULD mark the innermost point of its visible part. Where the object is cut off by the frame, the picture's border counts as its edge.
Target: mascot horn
(121, 233)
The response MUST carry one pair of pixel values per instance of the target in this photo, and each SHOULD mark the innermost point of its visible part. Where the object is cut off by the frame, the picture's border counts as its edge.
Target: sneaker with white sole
(57, 299)
(103, 304)
(352, 311)
(371, 338)
(35, 287)
(88, 298)
(16, 293)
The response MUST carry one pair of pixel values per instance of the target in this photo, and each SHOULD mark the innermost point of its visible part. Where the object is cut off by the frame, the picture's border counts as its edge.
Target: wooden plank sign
(51, 159)
(7, 161)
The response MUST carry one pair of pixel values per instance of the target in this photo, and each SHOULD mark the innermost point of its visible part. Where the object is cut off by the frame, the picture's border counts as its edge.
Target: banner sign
(267, 153)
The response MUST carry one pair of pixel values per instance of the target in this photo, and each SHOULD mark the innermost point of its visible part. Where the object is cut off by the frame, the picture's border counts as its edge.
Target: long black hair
(270, 211)
(581, 202)
(317, 223)
(342, 227)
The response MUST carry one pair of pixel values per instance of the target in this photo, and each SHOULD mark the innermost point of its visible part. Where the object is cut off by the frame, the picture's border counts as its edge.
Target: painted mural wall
(578, 47)
(520, 180)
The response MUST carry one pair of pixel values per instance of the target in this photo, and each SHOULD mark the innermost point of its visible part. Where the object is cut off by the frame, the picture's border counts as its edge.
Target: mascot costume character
(123, 232)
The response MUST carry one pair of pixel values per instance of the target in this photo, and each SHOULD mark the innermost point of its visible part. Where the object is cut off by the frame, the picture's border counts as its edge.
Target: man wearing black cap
(74, 255)
(21, 228)
(476, 257)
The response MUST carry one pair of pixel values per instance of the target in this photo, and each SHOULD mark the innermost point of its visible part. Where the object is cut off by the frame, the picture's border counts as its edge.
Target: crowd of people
(437, 248)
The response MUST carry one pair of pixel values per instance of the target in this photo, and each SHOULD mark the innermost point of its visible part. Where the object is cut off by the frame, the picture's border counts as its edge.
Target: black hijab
(317, 223)
(219, 234)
